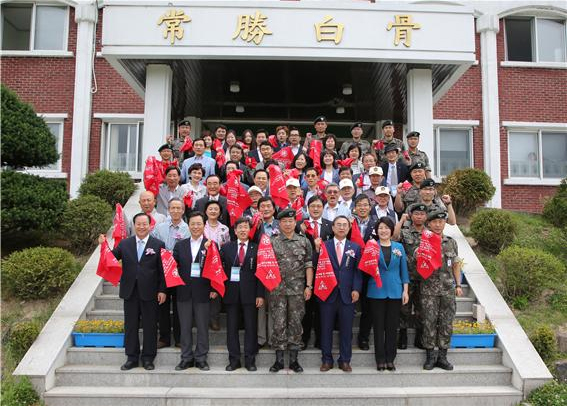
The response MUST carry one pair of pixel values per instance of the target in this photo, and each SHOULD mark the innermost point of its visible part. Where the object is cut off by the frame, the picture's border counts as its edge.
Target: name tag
(449, 262)
(195, 270)
(235, 274)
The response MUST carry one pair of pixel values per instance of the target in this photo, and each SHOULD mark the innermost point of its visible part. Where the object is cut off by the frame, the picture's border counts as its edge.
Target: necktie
(339, 252)
(316, 235)
(393, 175)
(241, 253)
(140, 249)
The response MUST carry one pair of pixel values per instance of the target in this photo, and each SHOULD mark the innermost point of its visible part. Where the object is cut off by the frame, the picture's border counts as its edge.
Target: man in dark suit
(142, 287)
(344, 256)
(193, 297)
(260, 137)
(394, 171)
(243, 293)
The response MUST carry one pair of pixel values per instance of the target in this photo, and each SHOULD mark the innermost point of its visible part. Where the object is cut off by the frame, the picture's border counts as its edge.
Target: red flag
(314, 153)
(360, 181)
(293, 173)
(428, 254)
(188, 199)
(298, 205)
(213, 269)
(285, 156)
(119, 226)
(345, 162)
(187, 146)
(163, 165)
(309, 228)
(217, 144)
(325, 277)
(170, 269)
(277, 186)
(355, 235)
(237, 197)
(220, 157)
(109, 267)
(223, 190)
(152, 175)
(254, 224)
(406, 186)
(251, 162)
(369, 262)
(378, 145)
(267, 267)
(322, 184)
(273, 141)
(152, 221)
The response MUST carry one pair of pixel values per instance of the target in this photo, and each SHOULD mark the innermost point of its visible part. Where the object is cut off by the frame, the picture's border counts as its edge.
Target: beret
(184, 122)
(418, 207)
(164, 146)
(418, 165)
(413, 134)
(291, 213)
(436, 214)
(427, 183)
(355, 125)
(319, 119)
(386, 123)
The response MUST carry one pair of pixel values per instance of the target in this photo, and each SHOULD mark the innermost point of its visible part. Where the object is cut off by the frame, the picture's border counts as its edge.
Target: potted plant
(98, 333)
(469, 334)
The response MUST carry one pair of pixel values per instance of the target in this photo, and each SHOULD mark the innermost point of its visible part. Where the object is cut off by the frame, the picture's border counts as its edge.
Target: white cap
(346, 183)
(292, 182)
(382, 190)
(255, 189)
(375, 170)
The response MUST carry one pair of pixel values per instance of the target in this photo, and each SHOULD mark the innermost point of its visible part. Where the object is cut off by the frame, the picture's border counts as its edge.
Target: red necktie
(339, 252)
(241, 253)
(316, 235)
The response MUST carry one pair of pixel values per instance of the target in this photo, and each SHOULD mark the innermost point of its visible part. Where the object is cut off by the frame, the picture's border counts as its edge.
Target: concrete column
(85, 17)
(157, 107)
(488, 26)
(420, 110)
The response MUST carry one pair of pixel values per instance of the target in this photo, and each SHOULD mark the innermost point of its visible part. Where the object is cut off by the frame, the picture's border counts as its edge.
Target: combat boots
(278, 365)
(430, 361)
(418, 333)
(294, 365)
(403, 339)
(442, 361)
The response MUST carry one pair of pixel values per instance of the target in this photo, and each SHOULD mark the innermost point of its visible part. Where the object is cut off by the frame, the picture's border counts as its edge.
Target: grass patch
(533, 231)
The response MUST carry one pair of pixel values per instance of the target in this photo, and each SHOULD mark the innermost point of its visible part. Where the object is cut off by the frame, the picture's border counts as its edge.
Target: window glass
(551, 40)
(554, 154)
(123, 147)
(524, 161)
(16, 26)
(50, 27)
(454, 150)
(518, 39)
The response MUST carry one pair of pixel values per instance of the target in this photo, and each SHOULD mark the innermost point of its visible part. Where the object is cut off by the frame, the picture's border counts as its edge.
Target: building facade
(485, 83)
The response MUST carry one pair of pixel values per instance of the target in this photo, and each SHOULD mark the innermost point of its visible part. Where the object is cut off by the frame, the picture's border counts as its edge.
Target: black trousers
(169, 324)
(365, 317)
(250, 324)
(311, 319)
(135, 309)
(385, 321)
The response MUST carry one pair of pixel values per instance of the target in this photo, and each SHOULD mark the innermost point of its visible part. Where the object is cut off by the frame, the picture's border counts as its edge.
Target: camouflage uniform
(411, 196)
(411, 238)
(420, 156)
(438, 299)
(287, 303)
(363, 144)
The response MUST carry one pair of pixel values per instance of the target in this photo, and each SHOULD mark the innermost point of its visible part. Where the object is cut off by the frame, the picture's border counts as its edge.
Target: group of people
(381, 191)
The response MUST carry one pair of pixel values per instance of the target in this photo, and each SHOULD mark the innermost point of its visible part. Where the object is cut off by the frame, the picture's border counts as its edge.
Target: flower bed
(468, 334)
(99, 333)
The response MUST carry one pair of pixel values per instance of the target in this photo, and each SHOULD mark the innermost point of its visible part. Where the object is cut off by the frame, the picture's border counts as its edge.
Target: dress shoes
(250, 366)
(148, 365)
(184, 365)
(391, 366)
(203, 366)
(345, 366)
(215, 326)
(130, 365)
(363, 345)
(381, 367)
(162, 344)
(325, 367)
(233, 366)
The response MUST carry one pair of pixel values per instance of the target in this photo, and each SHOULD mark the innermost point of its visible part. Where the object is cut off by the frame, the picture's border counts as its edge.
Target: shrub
(38, 273)
(22, 335)
(26, 139)
(493, 229)
(550, 394)
(85, 218)
(558, 301)
(544, 341)
(19, 393)
(527, 272)
(113, 187)
(31, 203)
(520, 303)
(555, 209)
(469, 188)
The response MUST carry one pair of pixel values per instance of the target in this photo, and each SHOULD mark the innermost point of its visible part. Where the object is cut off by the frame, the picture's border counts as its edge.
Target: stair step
(110, 375)
(283, 396)
(218, 357)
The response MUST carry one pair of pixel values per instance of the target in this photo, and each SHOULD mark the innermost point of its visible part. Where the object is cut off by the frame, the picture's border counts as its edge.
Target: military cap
(355, 125)
(184, 122)
(164, 146)
(291, 213)
(392, 146)
(320, 119)
(418, 207)
(418, 165)
(427, 183)
(386, 123)
(436, 214)
(413, 134)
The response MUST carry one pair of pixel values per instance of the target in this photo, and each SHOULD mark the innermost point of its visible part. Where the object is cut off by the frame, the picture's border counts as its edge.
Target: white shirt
(239, 242)
(195, 246)
(318, 224)
(214, 198)
(347, 203)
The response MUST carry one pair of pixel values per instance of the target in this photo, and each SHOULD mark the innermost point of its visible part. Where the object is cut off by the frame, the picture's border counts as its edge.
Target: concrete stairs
(92, 376)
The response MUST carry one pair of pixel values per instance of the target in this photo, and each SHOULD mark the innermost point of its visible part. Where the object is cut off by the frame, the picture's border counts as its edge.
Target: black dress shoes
(148, 365)
(391, 366)
(130, 365)
(203, 366)
(251, 367)
(381, 367)
(184, 365)
(233, 366)
(363, 345)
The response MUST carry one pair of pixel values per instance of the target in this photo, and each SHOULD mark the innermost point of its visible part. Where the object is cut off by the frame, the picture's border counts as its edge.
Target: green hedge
(555, 209)
(22, 335)
(493, 229)
(84, 219)
(113, 187)
(469, 189)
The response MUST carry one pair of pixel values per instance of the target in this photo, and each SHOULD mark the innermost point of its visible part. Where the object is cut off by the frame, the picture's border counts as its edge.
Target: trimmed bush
(555, 210)
(22, 335)
(113, 187)
(31, 203)
(494, 229)
(26, 139)
(19, 393)
(38, 273)
(550, 394)
(469, 189)
(544, 341)
(527, 272)
(84, 219)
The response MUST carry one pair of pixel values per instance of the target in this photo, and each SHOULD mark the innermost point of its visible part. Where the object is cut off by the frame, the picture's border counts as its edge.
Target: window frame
(53, 118)
(539, 128)
(123, 119)
(439, 125)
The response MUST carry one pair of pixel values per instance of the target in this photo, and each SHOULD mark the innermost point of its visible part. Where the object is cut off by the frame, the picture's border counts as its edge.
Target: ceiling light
(234, 88)
(339, 110)
(240, 109)
(347, 89)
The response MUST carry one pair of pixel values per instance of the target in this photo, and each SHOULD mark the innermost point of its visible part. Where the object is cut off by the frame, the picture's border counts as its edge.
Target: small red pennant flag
(267, 267)
(213, 269)
(428, 254)
(109, 267)
(325, 278)
(369, 262)
(170, 269)
(119, 226)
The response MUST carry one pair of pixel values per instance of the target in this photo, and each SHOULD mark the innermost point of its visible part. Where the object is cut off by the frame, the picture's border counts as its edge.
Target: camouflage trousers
(437, 320)
(410, 316)
(287, 313)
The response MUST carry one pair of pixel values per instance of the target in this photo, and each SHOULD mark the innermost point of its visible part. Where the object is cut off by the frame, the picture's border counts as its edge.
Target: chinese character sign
(251, 28)
(403, 27)
(327, 31)
(173, 19)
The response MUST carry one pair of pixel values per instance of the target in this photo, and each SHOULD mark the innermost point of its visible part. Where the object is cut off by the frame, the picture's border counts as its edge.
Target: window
(27, 27)
(453, 149)
(535, 39)
(525, 149)
(123, 149)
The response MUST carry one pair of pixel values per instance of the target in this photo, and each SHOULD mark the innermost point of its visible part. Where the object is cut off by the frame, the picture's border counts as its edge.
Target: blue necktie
(140, 249)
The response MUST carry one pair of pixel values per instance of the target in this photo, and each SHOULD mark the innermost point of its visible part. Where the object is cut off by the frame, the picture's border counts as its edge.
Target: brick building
(493, 95)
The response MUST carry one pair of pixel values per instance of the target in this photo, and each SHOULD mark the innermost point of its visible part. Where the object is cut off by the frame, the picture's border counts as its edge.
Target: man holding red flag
(438, 294)
(344, 257)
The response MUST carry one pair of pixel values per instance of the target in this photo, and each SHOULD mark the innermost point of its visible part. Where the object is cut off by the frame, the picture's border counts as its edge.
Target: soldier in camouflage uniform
(287, 301)
(438, 297)
(410, 238)
(417, 175)
(429, 197)
(415, 154)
